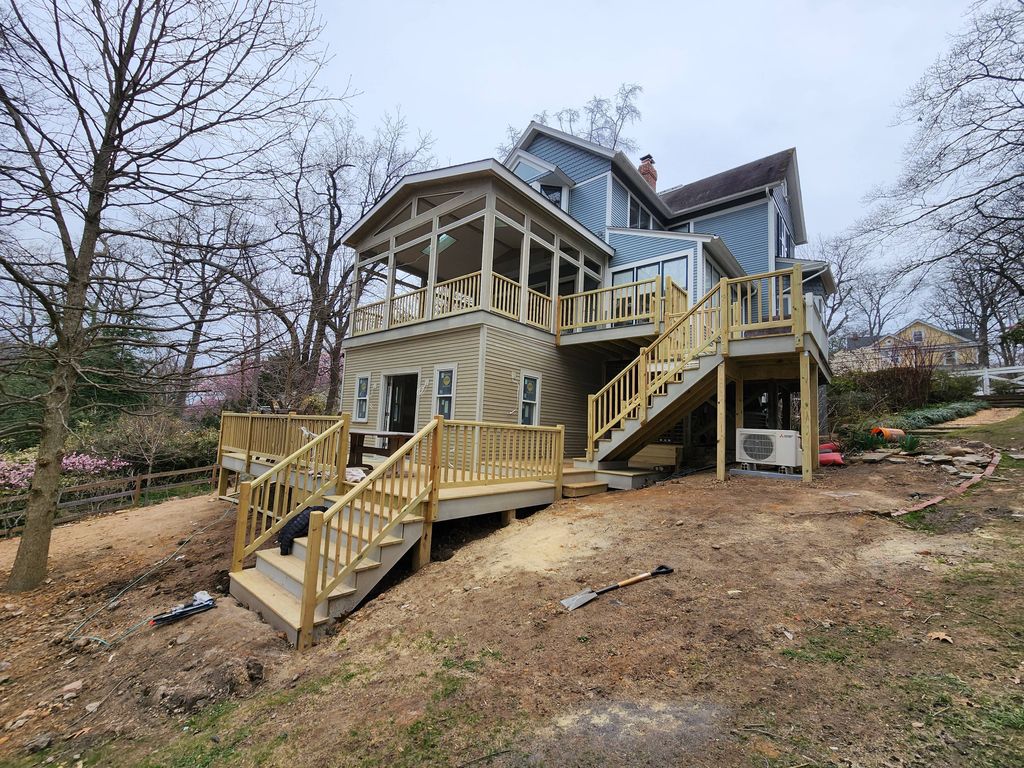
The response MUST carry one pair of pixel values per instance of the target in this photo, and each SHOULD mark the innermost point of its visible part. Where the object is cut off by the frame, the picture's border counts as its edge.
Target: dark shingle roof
(743, 178)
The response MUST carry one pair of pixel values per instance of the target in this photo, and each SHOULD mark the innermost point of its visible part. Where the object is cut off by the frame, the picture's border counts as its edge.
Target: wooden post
(739, 399)
(222, 481)
(642, 384)
(507, 516)
(806, 439)
(343, 448)
(796, 295)
(421, 555)
(815, 416)
(241, 523)
(724, 314)
(309, 580)
(720, 443)
(559, 458)
(558, 318)
(137, 493)
(590, 427)
(248, 446)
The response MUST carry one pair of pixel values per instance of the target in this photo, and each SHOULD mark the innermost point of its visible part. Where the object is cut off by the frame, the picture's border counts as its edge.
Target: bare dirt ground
(802, 627)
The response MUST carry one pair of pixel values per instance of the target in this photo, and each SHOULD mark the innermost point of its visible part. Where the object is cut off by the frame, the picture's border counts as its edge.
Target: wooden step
(579, 490)
(374, 510)
(279, 607)
(292, 571)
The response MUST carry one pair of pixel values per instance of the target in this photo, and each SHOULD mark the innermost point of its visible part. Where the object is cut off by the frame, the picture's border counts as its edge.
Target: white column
(487, 255)
(428, 310)
(524, 278)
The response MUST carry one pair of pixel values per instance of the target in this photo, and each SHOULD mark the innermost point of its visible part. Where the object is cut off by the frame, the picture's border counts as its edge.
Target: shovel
(584, 597)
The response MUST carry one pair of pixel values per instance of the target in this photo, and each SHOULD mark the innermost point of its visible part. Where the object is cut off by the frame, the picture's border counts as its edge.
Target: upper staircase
(679, 370)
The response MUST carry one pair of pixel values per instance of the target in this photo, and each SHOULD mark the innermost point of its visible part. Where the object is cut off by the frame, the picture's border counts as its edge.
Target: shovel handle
(661, 570)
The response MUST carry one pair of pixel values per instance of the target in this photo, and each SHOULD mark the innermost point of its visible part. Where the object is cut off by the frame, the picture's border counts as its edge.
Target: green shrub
(925, 417)
(858, 442)
(909, 443)
(947, 388)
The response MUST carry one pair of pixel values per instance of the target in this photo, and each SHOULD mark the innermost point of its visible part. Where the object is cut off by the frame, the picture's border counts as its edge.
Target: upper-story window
(639, 216)
(552, 193)
(783, 239)
(918, 336)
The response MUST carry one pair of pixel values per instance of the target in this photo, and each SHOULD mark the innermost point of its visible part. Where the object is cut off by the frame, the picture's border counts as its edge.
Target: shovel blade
(579, 599)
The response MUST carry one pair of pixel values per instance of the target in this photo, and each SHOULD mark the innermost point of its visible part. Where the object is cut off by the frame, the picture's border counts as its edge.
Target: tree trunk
(334, 379)
(30, 564)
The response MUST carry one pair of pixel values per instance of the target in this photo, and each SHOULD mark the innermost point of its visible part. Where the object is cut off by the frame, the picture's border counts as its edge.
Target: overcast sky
(724, 82)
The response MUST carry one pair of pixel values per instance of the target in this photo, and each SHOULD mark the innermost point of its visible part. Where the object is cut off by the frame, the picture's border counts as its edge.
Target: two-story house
(513, 291)
(511, 317)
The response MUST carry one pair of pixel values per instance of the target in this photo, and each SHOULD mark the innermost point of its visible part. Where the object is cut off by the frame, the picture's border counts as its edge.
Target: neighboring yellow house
(919, 343)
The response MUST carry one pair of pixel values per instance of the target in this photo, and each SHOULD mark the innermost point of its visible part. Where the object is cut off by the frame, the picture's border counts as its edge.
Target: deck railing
(267, 503)
(736, 308)
(505, 294)
(627, 303)
(538, 309)
(474, 453)
(408, 307)
(340, 538)
(268, 435)
(677, 300)
(460, 294)
(627, 394)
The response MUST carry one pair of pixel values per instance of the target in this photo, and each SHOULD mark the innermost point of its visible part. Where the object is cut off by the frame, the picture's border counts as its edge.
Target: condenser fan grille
(759, 447)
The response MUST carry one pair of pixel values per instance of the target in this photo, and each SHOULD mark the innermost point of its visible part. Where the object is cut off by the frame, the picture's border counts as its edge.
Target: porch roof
(480, 168)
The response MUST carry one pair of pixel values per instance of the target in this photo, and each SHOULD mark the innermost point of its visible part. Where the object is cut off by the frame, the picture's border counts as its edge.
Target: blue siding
(745, 232)
(630, 248)
(588, 204)
(783, 204)
(620, 205)
(578, 164)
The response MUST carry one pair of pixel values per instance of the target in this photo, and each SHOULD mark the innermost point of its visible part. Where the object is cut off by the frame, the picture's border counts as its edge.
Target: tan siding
(422, 354)
(567, 377)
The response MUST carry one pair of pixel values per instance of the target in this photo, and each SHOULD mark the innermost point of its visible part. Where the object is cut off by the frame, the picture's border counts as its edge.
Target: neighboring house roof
(478, 168)
(741, 181)
(918, 321)
(859, 342)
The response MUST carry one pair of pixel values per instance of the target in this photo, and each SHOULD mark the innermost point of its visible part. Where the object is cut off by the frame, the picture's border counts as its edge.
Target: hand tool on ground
(587, 595)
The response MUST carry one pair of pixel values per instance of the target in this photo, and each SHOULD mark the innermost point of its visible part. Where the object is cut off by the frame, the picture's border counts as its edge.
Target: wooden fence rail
(117, 493)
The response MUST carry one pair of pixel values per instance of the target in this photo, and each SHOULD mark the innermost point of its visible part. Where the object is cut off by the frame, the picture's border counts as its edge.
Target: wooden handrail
(266, 504)
(627, 302)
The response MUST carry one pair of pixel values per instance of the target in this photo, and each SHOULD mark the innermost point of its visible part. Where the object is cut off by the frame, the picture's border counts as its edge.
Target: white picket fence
(1012, 375)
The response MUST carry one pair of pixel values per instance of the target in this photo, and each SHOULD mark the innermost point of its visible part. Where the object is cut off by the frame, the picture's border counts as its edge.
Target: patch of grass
(466, 665)
(841, 646)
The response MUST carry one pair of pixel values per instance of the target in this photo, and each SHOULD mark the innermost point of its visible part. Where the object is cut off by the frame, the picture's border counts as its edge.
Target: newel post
(422, 554)
(642, 384)
(559, 459)
(724, 313)
(309, 580)
(590, 426)
(248, 445)
(241, 523)
(796, 297)
(342, 453)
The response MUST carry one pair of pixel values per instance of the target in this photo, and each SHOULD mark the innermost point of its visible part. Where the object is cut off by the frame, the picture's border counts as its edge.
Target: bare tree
(108, 108)
(963, 171)
(602, 120)
(304, 279)
(845, 257)
(877, 298)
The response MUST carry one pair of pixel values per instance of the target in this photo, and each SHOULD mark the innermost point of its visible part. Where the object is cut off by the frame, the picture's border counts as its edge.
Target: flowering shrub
(17, 472)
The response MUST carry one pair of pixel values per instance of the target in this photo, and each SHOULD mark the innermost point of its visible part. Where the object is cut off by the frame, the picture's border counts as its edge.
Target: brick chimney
(647, 170)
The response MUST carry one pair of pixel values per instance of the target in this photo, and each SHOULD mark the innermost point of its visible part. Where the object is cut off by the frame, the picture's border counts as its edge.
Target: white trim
(383, 394)
(454, 368)
(751, 204)
(523, 373)
(608, 202)
(356, 398)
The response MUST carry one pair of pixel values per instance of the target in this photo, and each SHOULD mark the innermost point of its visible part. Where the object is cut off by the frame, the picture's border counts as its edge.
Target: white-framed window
(362, 408)
(950, 357)
(529, 399)
(444, 390)
(639, 216)
(918, 337)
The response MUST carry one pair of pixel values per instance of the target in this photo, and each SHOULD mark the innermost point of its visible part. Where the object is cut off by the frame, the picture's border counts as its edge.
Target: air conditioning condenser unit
(778, 447)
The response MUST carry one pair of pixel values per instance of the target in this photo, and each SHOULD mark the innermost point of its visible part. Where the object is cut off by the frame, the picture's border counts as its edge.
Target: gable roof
(934, 327)
(490, 167)
(740, 181)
